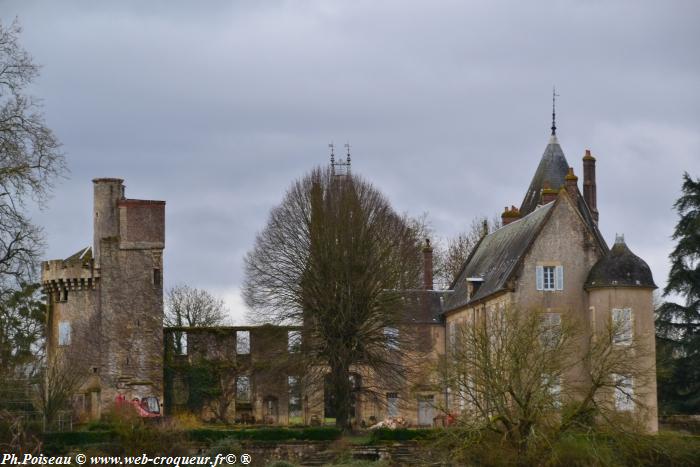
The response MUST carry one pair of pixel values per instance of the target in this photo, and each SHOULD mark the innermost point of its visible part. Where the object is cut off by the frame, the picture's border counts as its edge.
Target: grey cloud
(216, 107)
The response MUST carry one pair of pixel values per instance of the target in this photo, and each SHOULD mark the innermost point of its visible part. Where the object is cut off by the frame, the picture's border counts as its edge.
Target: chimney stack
(571, 182)
(510, 214)
(589, 186)
(427, 265)
(547, 194)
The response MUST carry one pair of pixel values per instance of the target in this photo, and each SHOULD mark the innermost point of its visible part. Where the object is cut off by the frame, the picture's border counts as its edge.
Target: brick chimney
(547, 194)
(427, 265)
(589, 186)
(510, 214)
(571, 182)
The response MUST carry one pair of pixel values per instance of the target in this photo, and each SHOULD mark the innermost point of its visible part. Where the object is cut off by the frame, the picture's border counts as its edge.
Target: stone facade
(105, 303)
(106, 313)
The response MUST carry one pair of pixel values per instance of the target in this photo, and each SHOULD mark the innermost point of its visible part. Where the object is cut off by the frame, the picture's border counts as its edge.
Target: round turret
(620, 268)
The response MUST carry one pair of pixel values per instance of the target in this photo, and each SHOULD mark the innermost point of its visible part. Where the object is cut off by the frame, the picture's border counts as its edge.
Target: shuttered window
(622, 326)
(549, 277)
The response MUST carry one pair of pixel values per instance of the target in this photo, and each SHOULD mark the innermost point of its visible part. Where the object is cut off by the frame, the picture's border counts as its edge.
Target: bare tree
(450, 259)
(522, 374)
(30, 159)
(333, 258)
(189, 306)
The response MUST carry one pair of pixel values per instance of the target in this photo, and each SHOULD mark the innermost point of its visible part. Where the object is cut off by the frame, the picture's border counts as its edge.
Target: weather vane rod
(554, 110)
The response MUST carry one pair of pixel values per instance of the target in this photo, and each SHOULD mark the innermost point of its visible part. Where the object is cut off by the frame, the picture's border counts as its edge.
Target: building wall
(640, 301)
(564, 241)
(115, 301)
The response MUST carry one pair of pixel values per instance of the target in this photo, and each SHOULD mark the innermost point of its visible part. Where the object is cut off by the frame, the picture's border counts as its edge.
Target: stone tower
(105, 303)
(620, 287)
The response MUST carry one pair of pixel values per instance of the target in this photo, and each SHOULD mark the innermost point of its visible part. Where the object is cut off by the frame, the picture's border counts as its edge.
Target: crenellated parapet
(74, 273)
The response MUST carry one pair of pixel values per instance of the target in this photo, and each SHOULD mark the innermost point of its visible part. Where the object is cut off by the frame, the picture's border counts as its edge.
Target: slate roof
(553, 168)
(496, 256)
(620, 268)
(424, 306)
(81, 257)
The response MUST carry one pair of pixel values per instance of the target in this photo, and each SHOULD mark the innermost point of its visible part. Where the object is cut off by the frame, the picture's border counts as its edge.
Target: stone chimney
(571, 182)
(427, 265)
(547, 194)
(589, 186)
(510, 214)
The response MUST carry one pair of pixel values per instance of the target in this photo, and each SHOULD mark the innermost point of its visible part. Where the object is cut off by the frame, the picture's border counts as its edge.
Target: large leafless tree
(30, 158)
(189, 306)
(333, 258)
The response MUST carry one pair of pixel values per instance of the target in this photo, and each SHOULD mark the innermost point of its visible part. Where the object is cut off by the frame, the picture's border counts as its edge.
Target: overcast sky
(217, 106)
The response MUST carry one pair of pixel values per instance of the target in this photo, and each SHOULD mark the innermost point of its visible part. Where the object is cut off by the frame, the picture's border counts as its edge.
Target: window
(294, 395)
(242, 342)
(392, 404)
(293, 341)
(550, 278)
(64, 333)
(63, 295)
(392, 338)
(622, 326)
(181, 345)
(552, 384)
(157, 278)
(624, 393)
(551, 330)
(243, 389)
(452, 337)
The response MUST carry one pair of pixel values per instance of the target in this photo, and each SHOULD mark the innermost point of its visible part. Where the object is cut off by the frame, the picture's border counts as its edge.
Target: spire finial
(554, 110)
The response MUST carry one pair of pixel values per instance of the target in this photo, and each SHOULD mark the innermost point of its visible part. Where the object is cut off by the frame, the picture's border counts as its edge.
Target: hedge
(266, 434)
(77, 438)
(400, 434)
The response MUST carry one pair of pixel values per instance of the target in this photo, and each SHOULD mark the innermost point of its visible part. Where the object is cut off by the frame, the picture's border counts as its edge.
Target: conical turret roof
(553, 168)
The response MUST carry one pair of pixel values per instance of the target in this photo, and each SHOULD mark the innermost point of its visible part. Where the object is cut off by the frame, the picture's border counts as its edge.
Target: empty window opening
(293, 341)
(242, 342)
(64, 332)
(294, 396)
(181, 343)
(157, 278)
(243, 389)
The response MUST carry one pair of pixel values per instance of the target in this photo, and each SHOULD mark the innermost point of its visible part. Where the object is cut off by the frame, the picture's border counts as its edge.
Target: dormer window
(473, 284)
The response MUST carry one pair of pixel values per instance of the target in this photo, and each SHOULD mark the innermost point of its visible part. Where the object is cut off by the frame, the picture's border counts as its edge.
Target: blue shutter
(539, 271)
(560, 277)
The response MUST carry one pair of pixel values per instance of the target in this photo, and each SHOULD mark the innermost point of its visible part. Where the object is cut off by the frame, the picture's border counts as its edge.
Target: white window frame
(623, 326)
(549, 278)
(64, 333)
(624, 393)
